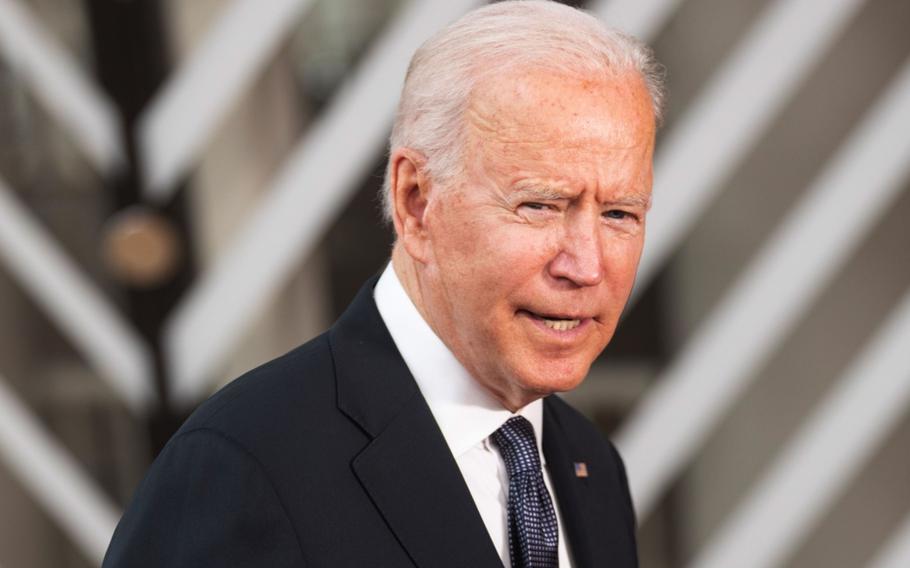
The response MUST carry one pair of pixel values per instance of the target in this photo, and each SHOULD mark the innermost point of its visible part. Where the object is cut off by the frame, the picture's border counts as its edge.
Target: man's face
(532, 253)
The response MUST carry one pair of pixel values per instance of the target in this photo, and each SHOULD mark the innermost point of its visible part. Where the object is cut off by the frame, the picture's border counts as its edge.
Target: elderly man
(419, 430)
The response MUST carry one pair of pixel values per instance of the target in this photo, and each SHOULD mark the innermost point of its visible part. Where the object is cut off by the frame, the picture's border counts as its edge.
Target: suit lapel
(575, 495)
(413, 479)
(407, 468)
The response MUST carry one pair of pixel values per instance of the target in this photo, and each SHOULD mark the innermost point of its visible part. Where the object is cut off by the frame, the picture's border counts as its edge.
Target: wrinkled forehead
(574, 108)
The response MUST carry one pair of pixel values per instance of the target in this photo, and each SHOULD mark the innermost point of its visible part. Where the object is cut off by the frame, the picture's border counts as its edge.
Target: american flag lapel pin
(581, 469)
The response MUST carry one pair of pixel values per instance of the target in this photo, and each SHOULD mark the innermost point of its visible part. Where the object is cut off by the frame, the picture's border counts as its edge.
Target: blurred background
(188, 188)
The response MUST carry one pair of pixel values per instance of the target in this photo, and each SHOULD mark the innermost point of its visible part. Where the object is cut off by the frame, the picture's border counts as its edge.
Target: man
(419, 430)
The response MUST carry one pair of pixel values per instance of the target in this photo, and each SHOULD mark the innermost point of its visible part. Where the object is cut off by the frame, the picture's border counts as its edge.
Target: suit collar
(373, 382)
(407, 468)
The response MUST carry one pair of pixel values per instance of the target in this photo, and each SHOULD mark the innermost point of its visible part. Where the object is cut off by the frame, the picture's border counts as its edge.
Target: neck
(405, 269)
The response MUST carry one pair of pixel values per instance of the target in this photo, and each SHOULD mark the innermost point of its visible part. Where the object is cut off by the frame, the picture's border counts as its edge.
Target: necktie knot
(518, 446)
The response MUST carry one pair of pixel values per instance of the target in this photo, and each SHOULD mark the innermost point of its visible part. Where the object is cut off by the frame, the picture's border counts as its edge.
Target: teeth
(561, 325)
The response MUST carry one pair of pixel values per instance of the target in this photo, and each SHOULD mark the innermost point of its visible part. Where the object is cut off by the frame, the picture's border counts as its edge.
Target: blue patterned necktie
(533, 531)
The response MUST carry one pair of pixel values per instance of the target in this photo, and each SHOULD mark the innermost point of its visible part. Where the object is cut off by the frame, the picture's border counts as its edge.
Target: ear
(410, 188)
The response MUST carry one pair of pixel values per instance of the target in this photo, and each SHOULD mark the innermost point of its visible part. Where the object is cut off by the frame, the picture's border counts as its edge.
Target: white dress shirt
(465, 412)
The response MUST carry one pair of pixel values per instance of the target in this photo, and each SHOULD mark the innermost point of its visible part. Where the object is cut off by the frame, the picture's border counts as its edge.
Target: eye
(537, 208)
(618, 214)
(537, 211)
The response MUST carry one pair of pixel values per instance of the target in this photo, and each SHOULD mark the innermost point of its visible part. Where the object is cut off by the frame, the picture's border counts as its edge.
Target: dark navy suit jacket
(329, 457)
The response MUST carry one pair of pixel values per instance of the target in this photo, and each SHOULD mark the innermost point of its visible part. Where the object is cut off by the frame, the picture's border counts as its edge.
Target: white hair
(505, 35)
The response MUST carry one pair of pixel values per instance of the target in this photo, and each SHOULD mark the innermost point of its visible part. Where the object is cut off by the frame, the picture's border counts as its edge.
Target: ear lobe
(409, 195)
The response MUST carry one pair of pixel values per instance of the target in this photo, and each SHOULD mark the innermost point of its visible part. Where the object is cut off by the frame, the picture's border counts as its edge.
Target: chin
(554, 377)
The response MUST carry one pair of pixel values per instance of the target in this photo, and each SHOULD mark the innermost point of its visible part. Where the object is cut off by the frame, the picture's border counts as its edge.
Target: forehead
(563, 110)
(551, 129)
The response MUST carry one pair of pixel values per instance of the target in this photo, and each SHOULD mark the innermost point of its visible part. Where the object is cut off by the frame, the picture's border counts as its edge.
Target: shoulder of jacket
(264, 386)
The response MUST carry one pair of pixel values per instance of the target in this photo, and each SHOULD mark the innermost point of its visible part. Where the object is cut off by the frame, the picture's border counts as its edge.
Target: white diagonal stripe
(313, 185)
(54, 479)
(734, 110)
(769, 297)
(179, 121)
(642, 18)
(70, 97)
(896, 552)
(824, 456)
(93, 325)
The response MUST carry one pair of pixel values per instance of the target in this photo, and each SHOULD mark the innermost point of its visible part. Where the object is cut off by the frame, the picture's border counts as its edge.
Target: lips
(561, 324)
(555, 322)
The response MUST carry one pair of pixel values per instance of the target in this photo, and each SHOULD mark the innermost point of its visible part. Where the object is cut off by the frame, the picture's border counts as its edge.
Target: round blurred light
(141, 247)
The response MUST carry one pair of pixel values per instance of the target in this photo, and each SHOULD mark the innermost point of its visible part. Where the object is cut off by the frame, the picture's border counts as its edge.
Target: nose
(580, 259)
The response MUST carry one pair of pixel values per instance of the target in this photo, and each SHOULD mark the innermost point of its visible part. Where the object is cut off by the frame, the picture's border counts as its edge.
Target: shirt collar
(465, 412)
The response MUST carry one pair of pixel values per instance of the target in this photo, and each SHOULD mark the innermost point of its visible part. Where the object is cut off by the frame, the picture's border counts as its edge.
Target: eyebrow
(634, 200)
(543, 193)
(550, 193)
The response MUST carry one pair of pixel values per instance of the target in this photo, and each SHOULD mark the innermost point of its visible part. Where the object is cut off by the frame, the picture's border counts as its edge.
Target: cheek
(491, 244)
(621, 260)
(519, 254)
(623, 253)
(494, 265)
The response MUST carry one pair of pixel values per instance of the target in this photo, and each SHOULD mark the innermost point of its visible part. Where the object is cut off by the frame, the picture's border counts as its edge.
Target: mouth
(556, 322)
